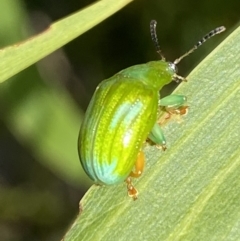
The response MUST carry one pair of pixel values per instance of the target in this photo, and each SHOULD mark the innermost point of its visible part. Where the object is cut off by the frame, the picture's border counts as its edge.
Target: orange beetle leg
(174, 114)
(132, 191)
(182, 110)
(137, 172)
(139, 165)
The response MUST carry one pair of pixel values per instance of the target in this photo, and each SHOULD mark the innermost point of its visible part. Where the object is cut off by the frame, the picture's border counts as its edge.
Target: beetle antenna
(153, 33)
(200, 42)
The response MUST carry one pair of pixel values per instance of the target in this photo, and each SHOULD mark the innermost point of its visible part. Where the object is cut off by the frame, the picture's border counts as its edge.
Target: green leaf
(190, 191)
(17, 57)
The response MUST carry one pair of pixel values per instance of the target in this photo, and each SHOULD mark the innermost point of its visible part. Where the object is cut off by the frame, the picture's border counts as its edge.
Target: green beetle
(122, 114)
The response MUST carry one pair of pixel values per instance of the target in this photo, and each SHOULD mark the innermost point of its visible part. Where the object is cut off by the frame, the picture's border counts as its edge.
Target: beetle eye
(173, 67)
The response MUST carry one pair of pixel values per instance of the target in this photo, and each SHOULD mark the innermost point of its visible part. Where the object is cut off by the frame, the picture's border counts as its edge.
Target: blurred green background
(41, 180)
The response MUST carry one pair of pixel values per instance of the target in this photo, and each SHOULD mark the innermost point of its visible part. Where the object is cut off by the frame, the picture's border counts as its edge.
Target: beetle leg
(139, 165)
(156, 136)
(178, 78)
(173, 101)
(137, 172)
(182, 110)
(132, 191)
(174, 104)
